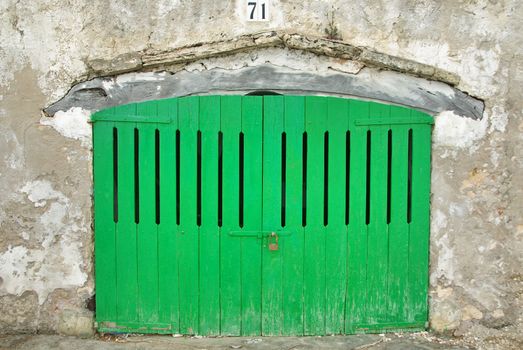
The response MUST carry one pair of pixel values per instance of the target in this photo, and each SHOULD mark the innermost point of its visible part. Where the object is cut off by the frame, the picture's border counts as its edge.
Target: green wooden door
(272, 215)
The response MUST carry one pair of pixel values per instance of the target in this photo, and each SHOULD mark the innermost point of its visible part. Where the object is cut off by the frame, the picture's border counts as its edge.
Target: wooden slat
(147, 241)
(188, 113)
(168, 284)
(336, 230)
(132, 118)
(314, 258)
(419, 226)
(398, 227)
(377, 227)
(209, 230)
(104, 225)
(230, 297)
(272, 260)
(356, 304)
(293, 273)
(250, 261)
(126, 226)
(400, 120)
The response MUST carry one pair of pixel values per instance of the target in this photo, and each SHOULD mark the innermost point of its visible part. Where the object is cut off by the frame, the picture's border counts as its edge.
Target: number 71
(256, 13)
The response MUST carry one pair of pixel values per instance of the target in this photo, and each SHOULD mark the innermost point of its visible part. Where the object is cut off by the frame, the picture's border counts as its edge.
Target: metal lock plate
(273, 241)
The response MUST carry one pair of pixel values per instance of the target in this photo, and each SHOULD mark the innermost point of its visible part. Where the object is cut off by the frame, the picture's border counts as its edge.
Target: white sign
(257, 10)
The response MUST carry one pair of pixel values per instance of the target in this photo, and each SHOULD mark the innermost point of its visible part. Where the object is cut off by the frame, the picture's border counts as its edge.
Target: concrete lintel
(153, 59)
(372, 84)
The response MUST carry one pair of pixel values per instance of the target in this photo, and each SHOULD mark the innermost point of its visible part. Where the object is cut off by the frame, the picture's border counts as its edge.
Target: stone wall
(46, 258)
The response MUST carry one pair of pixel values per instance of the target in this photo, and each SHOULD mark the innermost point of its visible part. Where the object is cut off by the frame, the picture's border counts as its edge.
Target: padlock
(273, 245)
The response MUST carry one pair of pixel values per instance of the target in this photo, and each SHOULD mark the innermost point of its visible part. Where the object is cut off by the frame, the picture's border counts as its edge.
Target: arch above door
(143, 76)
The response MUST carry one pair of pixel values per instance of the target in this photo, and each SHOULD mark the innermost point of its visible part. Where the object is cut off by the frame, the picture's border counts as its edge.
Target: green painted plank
(272, 260)
(209, 231)
(424, 119)
(292, 285)
(419, 226)
(377, 227)
(356, 303)
(147, 231)
(389, 328)
(104, 113)
(250, 261)
(135, 327)
(336, 230)
(105, 264)
(398, 227)
(188, 114)
(314, 258)
(132, 118)
(126, 226)
(168, 285)
(230, 297)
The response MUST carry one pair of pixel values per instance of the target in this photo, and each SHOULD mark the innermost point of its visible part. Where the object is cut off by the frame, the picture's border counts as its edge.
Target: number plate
(257, 10)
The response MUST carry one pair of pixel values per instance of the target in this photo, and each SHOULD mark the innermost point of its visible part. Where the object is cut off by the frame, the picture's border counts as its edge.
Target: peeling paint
(483, 66)
(451, 130)
(294, 59)
(73, 123)
(39, 192)
(498, 119)
(445, 260)
(58, 262)
(15, 159)
(141, 77)
(444, 265)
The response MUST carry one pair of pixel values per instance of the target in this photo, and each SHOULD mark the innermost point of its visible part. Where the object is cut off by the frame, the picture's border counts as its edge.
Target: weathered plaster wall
(45, 171)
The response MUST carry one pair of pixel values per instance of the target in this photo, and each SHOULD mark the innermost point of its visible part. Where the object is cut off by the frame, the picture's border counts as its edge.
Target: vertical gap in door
(115, 175)
(326, 178)
(136, 177)
(220, 177)
(304, 183)
(157, 174)
(347, 177)
(409, 179)
(241, 176)
(389, 173)
(367, 199)
(178, 144)
(199, 178)
(283, 176)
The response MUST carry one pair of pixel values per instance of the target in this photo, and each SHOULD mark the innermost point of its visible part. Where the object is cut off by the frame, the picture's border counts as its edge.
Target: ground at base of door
(406, 341)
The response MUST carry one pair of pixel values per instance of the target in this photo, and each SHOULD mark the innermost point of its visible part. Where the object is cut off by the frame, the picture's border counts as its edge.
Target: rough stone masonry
(472, 48)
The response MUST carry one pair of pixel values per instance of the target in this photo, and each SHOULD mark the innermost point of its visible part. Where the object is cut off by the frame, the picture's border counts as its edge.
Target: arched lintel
(369, 84)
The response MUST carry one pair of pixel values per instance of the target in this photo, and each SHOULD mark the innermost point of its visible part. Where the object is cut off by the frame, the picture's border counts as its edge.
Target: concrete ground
(414, 341)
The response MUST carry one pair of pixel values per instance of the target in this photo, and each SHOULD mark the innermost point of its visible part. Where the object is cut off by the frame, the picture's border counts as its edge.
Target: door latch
(273, 241)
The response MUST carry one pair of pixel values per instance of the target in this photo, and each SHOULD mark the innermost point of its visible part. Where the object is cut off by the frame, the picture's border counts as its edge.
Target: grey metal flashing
(370, 84)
